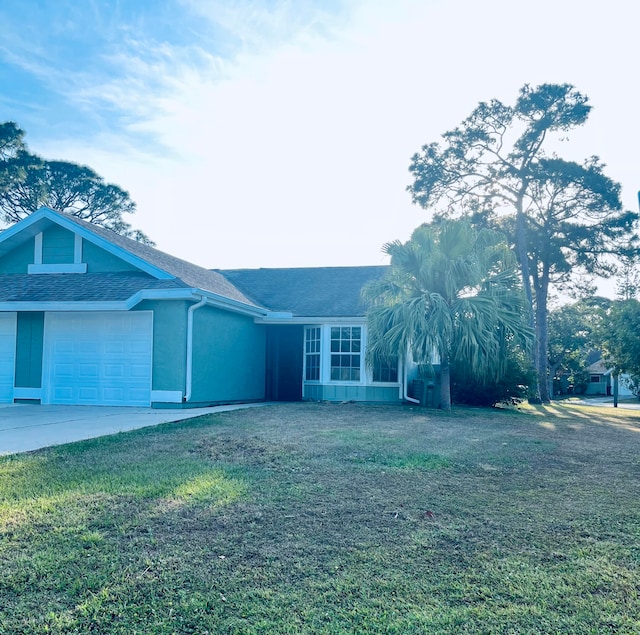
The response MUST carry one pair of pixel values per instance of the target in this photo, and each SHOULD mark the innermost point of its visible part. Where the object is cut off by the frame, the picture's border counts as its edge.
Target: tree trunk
(542, 337)
(552, 372)
(523, 259)
(445, 383)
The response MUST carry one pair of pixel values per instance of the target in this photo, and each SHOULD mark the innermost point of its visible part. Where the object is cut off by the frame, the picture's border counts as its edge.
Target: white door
(98, 358)
(7, 356)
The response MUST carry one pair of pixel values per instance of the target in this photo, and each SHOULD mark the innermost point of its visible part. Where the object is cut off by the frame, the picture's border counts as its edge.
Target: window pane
(386, 371)
(312, 354)
(345, 348)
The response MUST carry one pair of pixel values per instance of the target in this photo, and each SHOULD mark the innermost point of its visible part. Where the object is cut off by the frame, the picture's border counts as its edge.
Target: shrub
(511, 387)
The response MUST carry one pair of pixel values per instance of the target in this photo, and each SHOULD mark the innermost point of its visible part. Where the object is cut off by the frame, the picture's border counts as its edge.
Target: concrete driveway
(607, 402)
(25, 427)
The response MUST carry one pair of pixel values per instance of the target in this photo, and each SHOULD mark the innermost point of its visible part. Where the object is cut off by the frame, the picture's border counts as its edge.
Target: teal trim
(229, 351)
(101, 261)
(169, 343)
(43, 218)
(57, 246)
(18, 259)
(336, 392)
(136, 261)
(29, 347)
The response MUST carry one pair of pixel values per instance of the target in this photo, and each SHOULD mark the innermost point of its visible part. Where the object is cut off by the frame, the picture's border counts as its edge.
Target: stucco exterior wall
(169, 343)
(228, 357)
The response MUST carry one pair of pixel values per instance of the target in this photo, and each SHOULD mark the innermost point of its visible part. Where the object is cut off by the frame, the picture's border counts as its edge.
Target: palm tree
(451, 290)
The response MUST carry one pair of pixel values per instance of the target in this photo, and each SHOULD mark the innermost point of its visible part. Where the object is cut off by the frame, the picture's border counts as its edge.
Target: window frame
(361, 371)
(324, 373)
(317, 352)
(386, 382)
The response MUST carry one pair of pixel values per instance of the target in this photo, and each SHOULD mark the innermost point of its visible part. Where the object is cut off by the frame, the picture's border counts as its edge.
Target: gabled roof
(300, 292)
(599, 368)
(307, 291)
(192, 275)
(153, 262)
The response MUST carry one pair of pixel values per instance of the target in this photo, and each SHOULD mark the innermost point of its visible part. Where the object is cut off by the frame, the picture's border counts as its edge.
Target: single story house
(601, 381)
(90, 317)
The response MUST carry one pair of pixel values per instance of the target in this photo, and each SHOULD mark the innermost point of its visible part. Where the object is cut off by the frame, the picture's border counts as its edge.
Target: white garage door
(7, 356)
(101, 358)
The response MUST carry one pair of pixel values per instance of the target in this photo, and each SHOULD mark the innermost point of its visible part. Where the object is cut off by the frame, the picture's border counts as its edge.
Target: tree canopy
(28, 182)
(451, 290)
(563, 217)
(619, 334)
(628, 280)
(12, 149)
(573, 340)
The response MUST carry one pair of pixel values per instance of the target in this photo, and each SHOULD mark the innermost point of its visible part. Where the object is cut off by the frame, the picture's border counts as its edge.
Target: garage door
(7, 356)
(101, 358)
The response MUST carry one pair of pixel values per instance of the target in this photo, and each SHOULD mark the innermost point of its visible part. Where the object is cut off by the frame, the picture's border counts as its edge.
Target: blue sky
(279, 133)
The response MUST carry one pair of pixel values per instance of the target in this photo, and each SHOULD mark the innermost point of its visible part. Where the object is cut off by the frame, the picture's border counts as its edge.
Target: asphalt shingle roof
(307, 291)
(304, 292)
(191, 275)
(599, 367)
(88, 287)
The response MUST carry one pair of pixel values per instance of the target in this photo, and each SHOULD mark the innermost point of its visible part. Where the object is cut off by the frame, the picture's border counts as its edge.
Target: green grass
(317, 518)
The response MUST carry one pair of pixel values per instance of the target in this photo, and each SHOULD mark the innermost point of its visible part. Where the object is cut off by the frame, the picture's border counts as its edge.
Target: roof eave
(65, 305)
(195, 294)
(67, 222)
(281, 318)
(136, 261)
(186, 294)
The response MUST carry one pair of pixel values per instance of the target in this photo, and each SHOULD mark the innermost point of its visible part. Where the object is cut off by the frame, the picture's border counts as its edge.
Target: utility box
(424, 392)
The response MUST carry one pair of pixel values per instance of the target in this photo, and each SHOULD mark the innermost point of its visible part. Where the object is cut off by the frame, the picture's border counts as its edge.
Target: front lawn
(330, 518)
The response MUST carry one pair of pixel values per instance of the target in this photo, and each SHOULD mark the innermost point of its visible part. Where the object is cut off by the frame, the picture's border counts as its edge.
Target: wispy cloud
(123, 70)
(259, 25)
(279, 132)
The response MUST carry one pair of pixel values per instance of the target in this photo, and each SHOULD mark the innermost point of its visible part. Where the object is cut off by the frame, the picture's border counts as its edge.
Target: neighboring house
(601, 381)
(90, 317)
